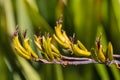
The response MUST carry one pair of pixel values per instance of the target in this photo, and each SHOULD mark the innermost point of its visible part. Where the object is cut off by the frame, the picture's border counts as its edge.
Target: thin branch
(76, 61)
(116, 56)
(73, 58)
(90, 61)
(116, 61)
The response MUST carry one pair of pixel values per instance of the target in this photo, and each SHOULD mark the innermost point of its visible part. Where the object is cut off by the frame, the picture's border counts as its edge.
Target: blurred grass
(86, 18)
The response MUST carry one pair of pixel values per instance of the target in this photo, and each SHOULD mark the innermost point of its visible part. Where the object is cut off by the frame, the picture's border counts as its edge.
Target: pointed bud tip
(16, 31)
(98, 41)
(24, 33)
(73, 38)
(59, 21)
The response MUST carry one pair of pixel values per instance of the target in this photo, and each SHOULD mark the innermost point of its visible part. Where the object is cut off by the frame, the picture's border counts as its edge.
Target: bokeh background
(86, 18)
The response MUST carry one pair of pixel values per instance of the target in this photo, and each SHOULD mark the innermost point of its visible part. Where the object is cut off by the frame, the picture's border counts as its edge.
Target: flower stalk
(52, 55)
(79, 61)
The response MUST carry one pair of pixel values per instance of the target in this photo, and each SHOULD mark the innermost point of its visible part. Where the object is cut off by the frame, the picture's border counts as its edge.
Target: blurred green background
(86, 18)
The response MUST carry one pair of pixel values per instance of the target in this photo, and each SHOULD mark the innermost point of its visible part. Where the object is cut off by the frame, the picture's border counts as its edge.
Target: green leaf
(29, 72)
(115, 72)
(102, 71)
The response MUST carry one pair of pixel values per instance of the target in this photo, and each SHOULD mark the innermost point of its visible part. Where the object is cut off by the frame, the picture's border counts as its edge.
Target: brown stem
(116, 56)
(90, 61)
(77, 61)
(74, 58)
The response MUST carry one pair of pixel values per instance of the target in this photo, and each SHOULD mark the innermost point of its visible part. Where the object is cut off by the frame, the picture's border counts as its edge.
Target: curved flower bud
(109, 53)
(101, 55)
(20, 50)
(28, 48)
(81, 46)
(79, 52)
(94, 55)
(47, 48)
(25, 50)
(63, 44)
(38, 42)
(22, 54)
(61, 36)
